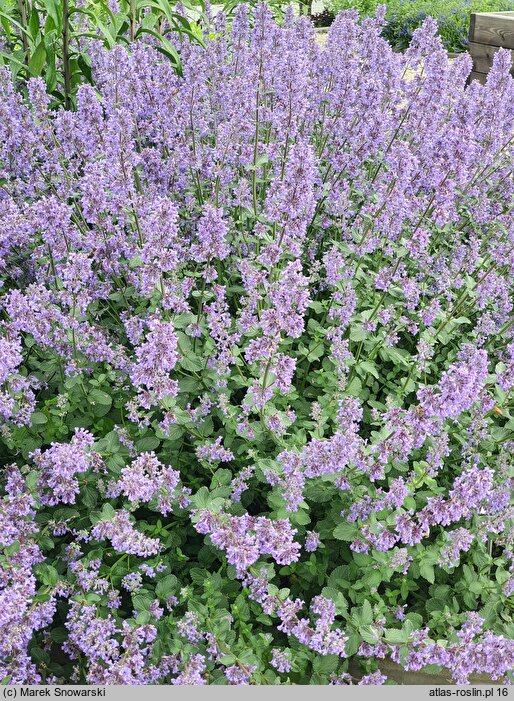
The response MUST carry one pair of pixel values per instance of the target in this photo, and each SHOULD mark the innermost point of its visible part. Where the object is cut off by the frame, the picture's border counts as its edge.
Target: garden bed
(256, 357)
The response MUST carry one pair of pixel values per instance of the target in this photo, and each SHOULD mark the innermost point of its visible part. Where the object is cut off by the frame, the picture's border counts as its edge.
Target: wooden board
(481, 77)
(492, 28)
(400, 676)
(483, 56)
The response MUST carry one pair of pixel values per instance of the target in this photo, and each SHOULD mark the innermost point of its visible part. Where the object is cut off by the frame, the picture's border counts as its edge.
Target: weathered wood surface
(481, 77)
(483, 56)
(397, 674)
(488, 31)
(492, 28)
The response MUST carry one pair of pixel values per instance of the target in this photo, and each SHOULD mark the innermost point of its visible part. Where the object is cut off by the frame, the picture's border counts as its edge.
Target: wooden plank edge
(493, 30)
(475, 75)
(472, 21)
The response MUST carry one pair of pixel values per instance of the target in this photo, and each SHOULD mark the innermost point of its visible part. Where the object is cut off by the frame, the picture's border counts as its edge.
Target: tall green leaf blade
(38, 59)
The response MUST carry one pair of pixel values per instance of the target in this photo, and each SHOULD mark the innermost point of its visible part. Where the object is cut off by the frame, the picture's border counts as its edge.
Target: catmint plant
(257, 361)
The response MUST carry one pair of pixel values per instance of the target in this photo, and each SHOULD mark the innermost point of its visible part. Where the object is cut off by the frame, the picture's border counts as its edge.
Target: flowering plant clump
(257, 362)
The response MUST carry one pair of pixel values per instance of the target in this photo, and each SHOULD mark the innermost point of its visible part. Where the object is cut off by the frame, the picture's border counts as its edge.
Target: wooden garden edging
(488, 32)
(397, 674)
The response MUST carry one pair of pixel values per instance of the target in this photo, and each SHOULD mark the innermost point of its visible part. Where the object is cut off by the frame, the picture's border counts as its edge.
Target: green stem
(66, 54)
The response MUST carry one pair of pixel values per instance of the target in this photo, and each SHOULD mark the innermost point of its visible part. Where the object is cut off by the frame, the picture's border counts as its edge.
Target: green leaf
(39, 655)
(38, 418)
(85, 66)
(206, 428)
(325, 664)
(222, 477)
(54, 12)
(427, 572)
(191, 363)
(346, 531)
(366, 613)
(32, 480)
(141, 601)
(101, 398)
(202, 498)
(338, 599)
(59, 635)
(364, 368)
(37, 60)
(12, 549)
(300, 518)
(357, 333)
(89, 496)
(261, 160)
(108, 512)
(147, 444)
(369, 634)
(198, 575)
(51, 68)
(34, 23)
(143, 618)
(166, 587)
(395, 355)
(475, 587)
(354, 387)
(373, 578)
(353, 643)
(393, 635)
(316, 350)
(100, 401)
(227, 660)
(46, 574)
(173, 433)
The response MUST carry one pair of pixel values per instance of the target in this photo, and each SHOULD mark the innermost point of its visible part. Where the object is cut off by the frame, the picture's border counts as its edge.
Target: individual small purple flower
(359, 546)
(59, 466)
(399, 613)
(214, 452)
(132, 581)
(191, 675)
(276, 424)
(212, 232)
(147, 569)
(240, 483)
(156, 357)
(124, 537)
(312, 541)
(458, 541)
(113, 599)
(375, 678)
(188, 627)
(280, 660)
(155, 610)
(325, 609)
(239, 674)
(171, 602)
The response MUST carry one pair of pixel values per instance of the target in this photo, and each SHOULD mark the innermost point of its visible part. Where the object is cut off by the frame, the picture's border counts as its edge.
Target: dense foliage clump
(405, 16)
(257, 362)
